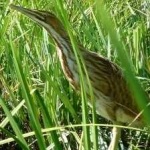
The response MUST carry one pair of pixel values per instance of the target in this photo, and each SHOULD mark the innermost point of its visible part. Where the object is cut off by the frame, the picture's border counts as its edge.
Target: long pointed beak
(33, 14)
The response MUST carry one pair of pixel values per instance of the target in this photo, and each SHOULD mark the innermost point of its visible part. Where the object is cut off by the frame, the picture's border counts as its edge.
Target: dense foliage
(34, 93)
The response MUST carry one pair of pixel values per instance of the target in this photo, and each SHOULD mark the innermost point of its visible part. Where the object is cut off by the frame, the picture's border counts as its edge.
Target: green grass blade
(21, 141)
(28, 98)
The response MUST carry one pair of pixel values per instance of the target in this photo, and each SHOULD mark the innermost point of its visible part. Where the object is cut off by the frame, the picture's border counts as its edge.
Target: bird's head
(45, 19)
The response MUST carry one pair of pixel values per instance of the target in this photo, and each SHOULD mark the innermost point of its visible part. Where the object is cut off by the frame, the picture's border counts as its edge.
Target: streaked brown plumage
(112, 96)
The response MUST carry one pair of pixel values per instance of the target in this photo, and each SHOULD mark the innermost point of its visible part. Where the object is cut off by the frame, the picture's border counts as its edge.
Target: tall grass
(39, 109)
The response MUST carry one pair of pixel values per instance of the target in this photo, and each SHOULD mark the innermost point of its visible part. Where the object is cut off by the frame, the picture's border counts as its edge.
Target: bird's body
(113, 98)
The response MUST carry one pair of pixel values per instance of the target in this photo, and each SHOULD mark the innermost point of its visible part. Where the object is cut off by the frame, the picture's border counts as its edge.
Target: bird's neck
(67, 59)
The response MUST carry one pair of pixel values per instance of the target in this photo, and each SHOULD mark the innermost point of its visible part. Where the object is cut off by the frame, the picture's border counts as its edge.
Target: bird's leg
(116, 133)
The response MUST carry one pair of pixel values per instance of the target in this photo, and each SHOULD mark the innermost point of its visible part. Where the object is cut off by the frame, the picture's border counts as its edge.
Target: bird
(113, 98)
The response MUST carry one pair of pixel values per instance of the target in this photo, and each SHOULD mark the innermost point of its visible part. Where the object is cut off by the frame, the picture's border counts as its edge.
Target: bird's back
(113, 98)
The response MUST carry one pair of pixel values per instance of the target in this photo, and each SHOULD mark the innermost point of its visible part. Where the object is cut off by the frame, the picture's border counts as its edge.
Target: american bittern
(113, 99)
